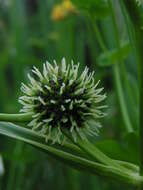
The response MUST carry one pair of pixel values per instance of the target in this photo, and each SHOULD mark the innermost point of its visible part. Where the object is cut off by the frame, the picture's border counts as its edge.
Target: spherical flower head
(60, 98)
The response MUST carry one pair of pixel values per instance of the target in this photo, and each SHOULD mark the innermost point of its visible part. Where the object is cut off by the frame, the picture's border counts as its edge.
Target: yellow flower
(63, 10)
(58, 13)
(68, 6)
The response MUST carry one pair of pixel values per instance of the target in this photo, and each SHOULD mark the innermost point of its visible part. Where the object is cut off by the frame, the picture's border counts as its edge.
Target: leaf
(113, 56)
(34, 139)
(98, 8)
(77, 162)
(112, 148)
(126, 150)
(131, 142)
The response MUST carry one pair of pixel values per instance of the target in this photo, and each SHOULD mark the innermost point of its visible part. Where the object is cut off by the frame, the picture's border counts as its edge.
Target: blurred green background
(33, 31)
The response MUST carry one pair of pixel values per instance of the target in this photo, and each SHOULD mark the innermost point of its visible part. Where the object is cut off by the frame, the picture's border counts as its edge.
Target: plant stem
(136, 18)
(24, 117)
(121, 98)
(78, 151)
(118, 84)
(13, 166)
(77, 162)
(99, 37)
(96, 153)
(116, 72)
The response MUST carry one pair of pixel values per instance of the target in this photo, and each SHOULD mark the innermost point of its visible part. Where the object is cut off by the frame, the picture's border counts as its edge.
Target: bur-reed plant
(61, 106)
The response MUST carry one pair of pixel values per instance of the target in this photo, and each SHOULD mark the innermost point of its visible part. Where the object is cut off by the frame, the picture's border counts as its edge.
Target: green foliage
(111, 57)
(126, 150)
(98, 8)
(107, 37)
(130, 174)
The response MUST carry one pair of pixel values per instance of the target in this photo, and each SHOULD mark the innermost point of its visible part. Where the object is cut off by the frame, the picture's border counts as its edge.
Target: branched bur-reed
(61, 98)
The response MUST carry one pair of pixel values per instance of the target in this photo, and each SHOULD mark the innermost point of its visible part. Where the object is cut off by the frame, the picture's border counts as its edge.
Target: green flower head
(61, 98)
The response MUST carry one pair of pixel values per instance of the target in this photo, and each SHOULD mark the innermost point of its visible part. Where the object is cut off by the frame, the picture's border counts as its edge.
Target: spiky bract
(60, 98)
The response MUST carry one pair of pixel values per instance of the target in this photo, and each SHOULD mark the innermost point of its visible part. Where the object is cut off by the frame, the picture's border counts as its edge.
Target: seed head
(61, 98)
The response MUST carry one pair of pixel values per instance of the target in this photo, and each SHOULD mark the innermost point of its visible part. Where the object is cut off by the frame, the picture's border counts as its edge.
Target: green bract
(60, 98)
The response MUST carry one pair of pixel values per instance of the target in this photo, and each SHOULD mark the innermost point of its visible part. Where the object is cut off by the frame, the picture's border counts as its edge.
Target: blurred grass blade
(1, 166)
(113, 56)
(98, 8)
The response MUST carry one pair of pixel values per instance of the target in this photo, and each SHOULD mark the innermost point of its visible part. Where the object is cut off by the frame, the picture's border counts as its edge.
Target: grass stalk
(118, 84)
(13, 166)
(116, 72)
(136, 18)
(97, 155)
(77, 162)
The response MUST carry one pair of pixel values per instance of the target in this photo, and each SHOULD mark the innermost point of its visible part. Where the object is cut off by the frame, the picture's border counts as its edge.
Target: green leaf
(113, 56)
(126, 150)
(98, 8)
(112, 148)
(38, 141)
(81, 163)
(131, 143)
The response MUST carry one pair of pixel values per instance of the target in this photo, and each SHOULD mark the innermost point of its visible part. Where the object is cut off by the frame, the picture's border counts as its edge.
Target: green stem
(119, 89)
(136, 18)
(134, 168)
(95, 168)
(99, 37)
(78, 151)
(24, 117)
(97, 154)
(77, 162)
(94, 152)
(116, 72)
(121, 98)
(13, 166)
